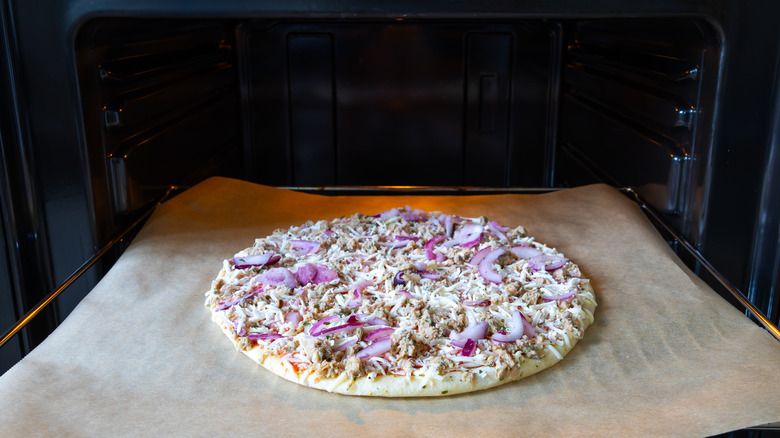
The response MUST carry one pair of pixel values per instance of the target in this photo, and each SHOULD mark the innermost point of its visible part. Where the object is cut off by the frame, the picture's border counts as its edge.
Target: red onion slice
(415, 215)
(405, 293)
(371, 319)
(375, 349)
(480, 303)
(240, 327)
(278, 277)
(448, 225)
(229, 304)
(305, 246)
(429, 247)
(429, 275)
(498, 230)
(475, 331)
(294, 318)
(358, 287)
(316, 329)
(559, 297)
(399, 278)
(324, 275)
(340, 328)
(394, 245)
(387, 214)
(468, 235)
(525, 252)
(520, 327)
(469, 347)
(479, 255)
(486, 266)
(306, 273)
(445, 220)
(380, 333)
(546, 262)
(402, 238)
(265, 259)
(346, 344)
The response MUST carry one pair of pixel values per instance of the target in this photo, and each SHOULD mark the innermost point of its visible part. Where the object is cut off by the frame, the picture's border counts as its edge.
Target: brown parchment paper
(140, 356)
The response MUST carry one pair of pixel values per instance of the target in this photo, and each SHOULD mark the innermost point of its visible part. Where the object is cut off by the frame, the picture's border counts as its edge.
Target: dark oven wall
(110, 103)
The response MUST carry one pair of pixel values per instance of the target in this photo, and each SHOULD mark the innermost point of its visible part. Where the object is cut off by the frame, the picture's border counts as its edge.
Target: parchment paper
(140, 356)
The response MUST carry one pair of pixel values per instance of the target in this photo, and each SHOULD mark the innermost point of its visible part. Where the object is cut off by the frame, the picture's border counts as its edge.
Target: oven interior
(399, 105)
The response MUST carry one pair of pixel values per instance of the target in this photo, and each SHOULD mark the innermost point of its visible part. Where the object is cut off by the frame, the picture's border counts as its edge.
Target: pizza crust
(242, 301)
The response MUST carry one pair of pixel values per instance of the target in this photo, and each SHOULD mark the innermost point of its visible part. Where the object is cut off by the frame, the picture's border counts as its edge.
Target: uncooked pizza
(402, 303)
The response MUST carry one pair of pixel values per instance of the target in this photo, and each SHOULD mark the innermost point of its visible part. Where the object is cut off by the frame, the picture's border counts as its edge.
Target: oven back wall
(460, 104)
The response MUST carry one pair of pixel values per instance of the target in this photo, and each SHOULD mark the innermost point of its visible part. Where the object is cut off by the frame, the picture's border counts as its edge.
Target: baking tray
(139, 355)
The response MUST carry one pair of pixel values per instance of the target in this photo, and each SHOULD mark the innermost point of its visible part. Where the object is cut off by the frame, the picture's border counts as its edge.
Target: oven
(110, 107)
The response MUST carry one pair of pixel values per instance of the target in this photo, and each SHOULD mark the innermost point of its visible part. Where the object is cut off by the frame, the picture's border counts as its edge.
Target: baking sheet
(140, 356)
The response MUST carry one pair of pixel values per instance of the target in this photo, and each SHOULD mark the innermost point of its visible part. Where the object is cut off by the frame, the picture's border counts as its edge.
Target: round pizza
(402, 303)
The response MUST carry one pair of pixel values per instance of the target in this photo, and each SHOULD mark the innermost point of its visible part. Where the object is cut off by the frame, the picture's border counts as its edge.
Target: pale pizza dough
(402, 303)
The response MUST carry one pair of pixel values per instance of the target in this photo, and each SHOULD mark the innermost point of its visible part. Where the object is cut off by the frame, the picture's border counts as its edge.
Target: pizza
(402, 303)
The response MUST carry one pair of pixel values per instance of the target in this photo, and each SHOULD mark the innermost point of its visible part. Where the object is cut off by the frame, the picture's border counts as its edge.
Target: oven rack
(682, 247)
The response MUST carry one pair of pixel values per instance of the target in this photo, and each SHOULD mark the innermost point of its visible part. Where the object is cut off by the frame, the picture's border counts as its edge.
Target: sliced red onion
(520, 327)
(306, 273)
(229, 304)
(378, 334)
(475, 331)
(414, 215)
(305, 246)
(329, 233)
(429, 275)
(470, 228)
(264, 336)
(479, 255)
(358, 287)
(316, 329)
(525, 252)
(399, 278)
(324, 275)
(480, 303)
(405, 293)
(429, 247)
(468, 347)
(265, 259)
(375, 349)
(447, 222)
(346, 344)
(240, 327)
(546, 262)
(278, 277)
(467, 236)
(387, 214)
(294, 318)
(498, 230)
(394, 245)
(420, 266)
(341, 328)
(371, 319)
(559, 297)
(486, 266)
(402, 238)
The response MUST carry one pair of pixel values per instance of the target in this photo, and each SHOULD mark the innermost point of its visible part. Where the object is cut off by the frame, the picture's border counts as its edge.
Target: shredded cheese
(385, 274)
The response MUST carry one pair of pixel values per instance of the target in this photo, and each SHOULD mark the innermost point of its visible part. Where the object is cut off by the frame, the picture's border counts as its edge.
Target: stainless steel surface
(80, 271)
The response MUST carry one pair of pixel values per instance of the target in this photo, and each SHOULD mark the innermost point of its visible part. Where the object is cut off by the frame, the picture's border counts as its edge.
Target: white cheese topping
(325, 298)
